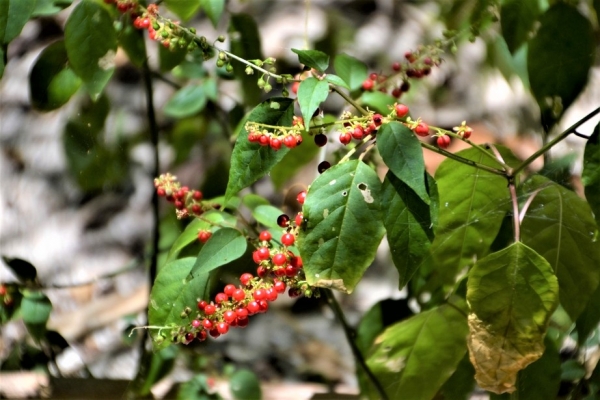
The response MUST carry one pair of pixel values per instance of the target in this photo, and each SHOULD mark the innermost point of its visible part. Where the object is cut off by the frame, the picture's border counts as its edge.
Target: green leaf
(224, 246)
(511, 294)
(560, 226)
(50, 7)
(378, 101)
(401, 151)
(91, 43)
(52, 82)
(351, 70)
(517, 19)
(313, 59)
(429, 344)
(244, 385)
(132, 41)
(336, 80)
(245, 43)
(169, 59)
(24, 270)
(183, 8)
(252, 201)
(294, 161)
(589, 318)
(14, 14)
(251, 161)
(35, 308)
(190, 234)
(171, 293)
(559, 59)
(473, 203)
(311, 93)
(343, 226)
(590, 177)
(267, 215)
(213, 9)
(461, 384)
(408, 226)
(186, 102)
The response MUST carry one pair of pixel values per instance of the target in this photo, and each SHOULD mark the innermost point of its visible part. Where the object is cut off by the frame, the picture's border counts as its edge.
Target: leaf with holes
(401, 151)
(311, 93)
(472, 203)
(560, 226)
(511, 294)
(251, 161)
(430, 344)
(408, 226)
(343, 226)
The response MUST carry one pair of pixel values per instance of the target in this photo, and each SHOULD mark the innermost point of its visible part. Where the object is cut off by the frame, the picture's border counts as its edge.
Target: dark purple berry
(323, 166)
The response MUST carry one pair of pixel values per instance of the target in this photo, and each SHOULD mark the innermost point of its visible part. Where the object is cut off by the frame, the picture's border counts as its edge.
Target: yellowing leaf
(511, 294)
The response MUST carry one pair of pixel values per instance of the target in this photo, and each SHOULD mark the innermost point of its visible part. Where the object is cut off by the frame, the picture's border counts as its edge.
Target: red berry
(238, 295)
(201, 335)
(294, 292)
(377, 119)
(275, 143)
(197, 195)
(358, 133)
(295, 87)
(264, 253)
(279, 259)
(291, 271)
(443, 141)
(220, 298)
(246, 278)
(373, 76)
(345, 138)
(242, 322)
(253, 307)
(259, 294)
(298, 139)
(161, 192)
(264, 306)
(290, 141)
(229, 289)
(320, 140)
(396, 92)
(264, 140)
(202, 304)
(287, 239)
(196, 209)
(196, 323)
(298, 219)
(301, 198)
(261, 272)
(396, 66)
(467, 133)
(283, 221)
(280, 271)
(189, 337)
(256, 257)
(229, 316)
(422, 129)
(409, 56)
(368, 84)
(265, 235)
(296, 261)
(401, 110)
(241, 313)
(207, 324)
(271, 294)
(214, 333)
(179, 205)
(203, 236)
(210, 309)
(279, 286)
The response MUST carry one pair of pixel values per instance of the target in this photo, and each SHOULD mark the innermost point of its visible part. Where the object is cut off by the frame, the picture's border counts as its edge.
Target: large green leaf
(267, 215)
(213, 9)
(171, 293)
(91, 43)
(401, 151)
(14, 14)
(473, 203)
(511, 294)
(351, 70)
(378, 101)
(517, 18)
(52, 82)
(183, 8)
(560, 226)
(250, 161)
(589, 318)
(429, 344)
(186, 102)
(50, 7)
(311, 93)
(224, 246)
(590, 177)
(540, 380)
(313, 59)
(462, 382)
(343, 226)
(210, 220)
(559, 59)
(408, 225)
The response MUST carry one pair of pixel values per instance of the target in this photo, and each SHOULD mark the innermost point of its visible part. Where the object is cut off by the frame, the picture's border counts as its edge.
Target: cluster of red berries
(187, 202)
(360, 129)
(283, 136)
(123, 5)
(417, 65)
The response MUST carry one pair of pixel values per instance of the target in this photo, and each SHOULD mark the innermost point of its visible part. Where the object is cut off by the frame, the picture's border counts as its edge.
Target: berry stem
(463, 160)
(476, 146)
(350, 337)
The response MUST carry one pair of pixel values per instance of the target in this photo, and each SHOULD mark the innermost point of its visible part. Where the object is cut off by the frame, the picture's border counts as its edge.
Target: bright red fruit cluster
(275, 140)
(187, 202)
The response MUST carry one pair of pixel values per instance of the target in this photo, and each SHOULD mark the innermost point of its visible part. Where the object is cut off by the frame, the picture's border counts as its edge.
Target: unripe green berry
(261, 83)
(249, 70)
(155, 26)
(220, 63)
(285, 92)
(222, 56)
(164, 34)
(182, 42)
(268, 88)
(193, 30)
(221, 38)
(229, 68)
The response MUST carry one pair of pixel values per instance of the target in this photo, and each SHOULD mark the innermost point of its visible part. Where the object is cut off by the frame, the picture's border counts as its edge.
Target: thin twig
(349, 99)
(463, 160)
